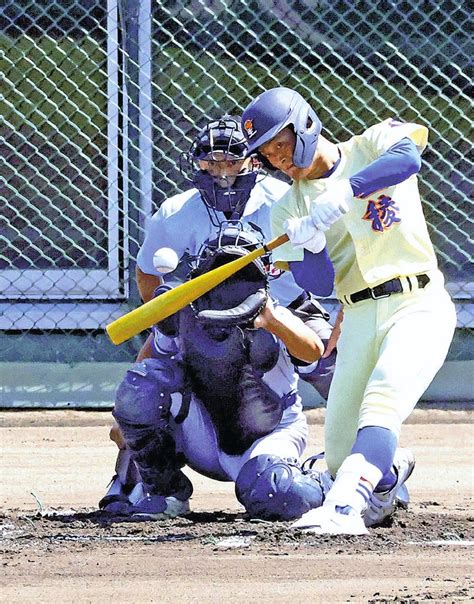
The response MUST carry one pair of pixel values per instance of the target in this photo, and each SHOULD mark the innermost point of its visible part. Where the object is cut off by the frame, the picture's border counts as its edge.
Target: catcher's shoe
(330, 519)
(125, 488)
(119, 497)
(159, 507)
(153, 506)
(381, 505)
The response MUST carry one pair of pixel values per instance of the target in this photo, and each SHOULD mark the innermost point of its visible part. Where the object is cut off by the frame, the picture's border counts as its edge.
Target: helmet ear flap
(307, 128)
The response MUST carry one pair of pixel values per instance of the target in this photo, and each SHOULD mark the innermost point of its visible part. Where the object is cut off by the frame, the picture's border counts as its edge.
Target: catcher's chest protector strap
(225, 367)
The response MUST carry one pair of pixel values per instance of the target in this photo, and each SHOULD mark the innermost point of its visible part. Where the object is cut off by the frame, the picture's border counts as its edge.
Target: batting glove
(328, 207)
(303, 233)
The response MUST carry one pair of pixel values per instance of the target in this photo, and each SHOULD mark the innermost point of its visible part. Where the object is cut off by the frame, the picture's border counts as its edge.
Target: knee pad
(144, 393)
(142, 410)
(273, 488)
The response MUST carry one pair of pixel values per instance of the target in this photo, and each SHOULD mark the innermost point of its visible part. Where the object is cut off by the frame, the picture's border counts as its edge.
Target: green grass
(58, 88)
(61, 86)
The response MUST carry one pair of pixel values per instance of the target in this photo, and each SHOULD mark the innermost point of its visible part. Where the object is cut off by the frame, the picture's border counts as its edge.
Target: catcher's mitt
(224, 357)
(239, 299)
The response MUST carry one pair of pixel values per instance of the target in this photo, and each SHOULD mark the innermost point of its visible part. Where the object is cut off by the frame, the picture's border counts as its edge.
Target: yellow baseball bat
(143, 317)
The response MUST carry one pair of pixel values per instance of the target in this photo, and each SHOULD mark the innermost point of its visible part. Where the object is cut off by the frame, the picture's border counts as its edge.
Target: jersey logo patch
(382, 213)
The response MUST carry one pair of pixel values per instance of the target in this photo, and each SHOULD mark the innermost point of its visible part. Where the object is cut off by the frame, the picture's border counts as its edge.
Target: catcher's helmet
(220, 140)
(274, 110)
(232, 241)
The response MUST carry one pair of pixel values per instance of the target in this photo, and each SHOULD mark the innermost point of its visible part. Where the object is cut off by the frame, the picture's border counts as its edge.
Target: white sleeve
(174, 225)
(154, 239)
(274, 188)
(382, 136)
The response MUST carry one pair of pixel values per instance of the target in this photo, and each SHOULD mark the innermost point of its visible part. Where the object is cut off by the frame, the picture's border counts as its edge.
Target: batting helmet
(274, 110)
(220, 140)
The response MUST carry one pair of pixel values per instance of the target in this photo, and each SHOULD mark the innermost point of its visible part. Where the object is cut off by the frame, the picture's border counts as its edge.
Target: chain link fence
(100, 96)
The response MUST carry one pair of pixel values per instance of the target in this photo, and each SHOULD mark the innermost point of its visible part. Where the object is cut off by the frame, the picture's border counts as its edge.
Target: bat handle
(280, 240)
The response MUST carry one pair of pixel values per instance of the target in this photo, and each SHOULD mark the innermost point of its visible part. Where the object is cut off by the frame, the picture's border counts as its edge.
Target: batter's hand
(303, 233)
(328, 207)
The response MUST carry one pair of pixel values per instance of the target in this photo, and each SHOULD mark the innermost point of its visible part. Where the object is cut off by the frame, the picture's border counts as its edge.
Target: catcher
(226, 403)
(227, 189)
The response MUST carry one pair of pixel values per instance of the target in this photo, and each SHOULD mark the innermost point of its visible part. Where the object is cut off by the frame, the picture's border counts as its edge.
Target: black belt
(384, 290)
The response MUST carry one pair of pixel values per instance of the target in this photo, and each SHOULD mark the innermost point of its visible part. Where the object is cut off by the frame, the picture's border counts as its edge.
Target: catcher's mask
(221, 143)
(239, 299)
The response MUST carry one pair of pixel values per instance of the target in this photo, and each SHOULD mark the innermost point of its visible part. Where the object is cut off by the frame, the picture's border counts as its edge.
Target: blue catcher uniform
(226, 404)
(165, 229)
(200, 434)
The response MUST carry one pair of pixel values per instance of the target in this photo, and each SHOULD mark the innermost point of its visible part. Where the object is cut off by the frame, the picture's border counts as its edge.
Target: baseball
(165, 260)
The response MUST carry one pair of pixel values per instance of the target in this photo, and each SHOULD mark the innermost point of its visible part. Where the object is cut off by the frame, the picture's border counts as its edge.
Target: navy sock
(378, 446)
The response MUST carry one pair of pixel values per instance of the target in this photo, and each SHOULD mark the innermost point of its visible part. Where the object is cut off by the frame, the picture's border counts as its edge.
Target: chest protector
(225, 358)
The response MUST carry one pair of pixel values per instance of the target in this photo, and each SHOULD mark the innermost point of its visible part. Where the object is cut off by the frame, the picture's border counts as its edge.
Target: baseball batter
(399, 320)
(229, 190)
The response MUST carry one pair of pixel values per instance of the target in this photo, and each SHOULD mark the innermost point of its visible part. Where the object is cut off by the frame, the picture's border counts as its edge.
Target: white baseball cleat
(332, 520)
(382, 505)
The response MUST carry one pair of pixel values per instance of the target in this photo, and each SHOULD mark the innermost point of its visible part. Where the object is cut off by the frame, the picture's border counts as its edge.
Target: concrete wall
(92, 385)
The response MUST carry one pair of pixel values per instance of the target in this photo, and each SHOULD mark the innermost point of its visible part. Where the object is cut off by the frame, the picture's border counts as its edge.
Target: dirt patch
(426, 413)
(57, 545)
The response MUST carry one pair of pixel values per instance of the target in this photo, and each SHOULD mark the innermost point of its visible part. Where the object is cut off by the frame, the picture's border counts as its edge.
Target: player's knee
(273, 488)
(116, 436)
(145, 390)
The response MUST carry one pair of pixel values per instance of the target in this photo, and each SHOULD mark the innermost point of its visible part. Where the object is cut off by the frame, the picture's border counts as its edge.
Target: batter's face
(223, 170)
(279, 152)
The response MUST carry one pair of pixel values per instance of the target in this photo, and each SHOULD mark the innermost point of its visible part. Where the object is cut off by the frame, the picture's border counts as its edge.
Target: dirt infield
(56, 464)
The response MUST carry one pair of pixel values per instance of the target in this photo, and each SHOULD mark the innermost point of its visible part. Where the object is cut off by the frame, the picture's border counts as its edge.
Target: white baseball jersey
(382, 236)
